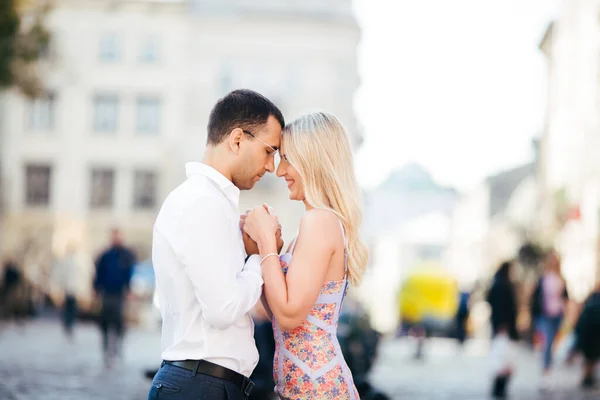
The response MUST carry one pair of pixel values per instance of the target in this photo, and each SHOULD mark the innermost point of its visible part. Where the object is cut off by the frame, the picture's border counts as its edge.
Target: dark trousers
(262, 376)
(69, 313)
(174, 383)
(112, 323)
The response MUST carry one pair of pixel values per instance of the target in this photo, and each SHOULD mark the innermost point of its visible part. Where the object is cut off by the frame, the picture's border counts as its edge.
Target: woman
(503, 304)
(305, 287)
(549, 303)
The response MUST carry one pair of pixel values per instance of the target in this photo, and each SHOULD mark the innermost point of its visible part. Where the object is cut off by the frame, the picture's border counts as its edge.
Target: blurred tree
(23, 38)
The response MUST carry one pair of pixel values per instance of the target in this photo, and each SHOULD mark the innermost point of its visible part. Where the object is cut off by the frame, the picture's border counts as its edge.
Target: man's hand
(249, 244)
(279, 238)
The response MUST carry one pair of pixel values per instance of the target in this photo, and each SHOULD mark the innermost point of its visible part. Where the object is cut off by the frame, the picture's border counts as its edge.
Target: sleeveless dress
(308, 362)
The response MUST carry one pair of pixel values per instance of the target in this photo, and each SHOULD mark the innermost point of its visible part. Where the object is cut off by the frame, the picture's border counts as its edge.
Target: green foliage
(21, 44)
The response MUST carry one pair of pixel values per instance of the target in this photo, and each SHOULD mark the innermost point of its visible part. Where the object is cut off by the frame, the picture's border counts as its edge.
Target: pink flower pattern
(314, 348)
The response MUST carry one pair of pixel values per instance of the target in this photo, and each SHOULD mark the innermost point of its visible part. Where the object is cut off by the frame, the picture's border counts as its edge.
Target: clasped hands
(260, 225)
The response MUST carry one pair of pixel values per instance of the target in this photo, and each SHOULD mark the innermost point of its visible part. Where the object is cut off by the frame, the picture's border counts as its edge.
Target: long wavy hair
(318, 147)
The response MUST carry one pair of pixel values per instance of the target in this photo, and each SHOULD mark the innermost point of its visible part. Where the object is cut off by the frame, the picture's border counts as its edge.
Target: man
(111, 284)
(205, 288)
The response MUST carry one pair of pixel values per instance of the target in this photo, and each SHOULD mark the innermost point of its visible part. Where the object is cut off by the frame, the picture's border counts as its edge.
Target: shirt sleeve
(205, 243)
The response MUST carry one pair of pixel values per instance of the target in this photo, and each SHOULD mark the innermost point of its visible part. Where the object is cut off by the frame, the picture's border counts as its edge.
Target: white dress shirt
(205, 292)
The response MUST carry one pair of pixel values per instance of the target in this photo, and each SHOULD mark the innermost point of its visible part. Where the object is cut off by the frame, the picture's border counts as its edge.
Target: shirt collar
(227, 187)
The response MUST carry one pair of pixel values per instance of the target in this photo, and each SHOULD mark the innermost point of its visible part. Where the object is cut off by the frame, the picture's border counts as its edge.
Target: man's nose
(270, 164)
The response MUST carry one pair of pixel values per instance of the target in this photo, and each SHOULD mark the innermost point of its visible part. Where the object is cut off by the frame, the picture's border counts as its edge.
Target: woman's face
(290, 174)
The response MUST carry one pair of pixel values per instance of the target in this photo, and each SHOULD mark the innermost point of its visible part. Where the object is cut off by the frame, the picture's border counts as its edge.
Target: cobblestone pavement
(448, 372)
(38, 362)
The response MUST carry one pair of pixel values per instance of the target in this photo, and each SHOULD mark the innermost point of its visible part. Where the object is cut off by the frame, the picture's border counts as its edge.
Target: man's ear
(235, 140)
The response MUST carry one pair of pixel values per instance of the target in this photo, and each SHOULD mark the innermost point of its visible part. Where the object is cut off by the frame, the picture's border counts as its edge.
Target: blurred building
(129, 88)
(491, 223)
(407, 224)
(569, 212)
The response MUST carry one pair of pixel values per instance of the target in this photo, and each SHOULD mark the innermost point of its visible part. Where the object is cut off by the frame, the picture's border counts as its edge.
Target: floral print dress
(308, 362)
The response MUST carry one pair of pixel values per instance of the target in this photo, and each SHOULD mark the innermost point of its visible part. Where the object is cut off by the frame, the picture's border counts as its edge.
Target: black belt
(216, 371)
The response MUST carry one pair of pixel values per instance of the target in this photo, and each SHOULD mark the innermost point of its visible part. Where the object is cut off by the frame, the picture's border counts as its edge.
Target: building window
(102, 187)
(106, 113)
(109, 49)
(37, 179)
(149, 50)
(144, 189)
(148, 114)
(41, 112)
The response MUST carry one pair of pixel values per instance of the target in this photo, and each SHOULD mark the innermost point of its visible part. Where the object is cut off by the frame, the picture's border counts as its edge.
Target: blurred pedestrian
(13, 301)
(113, 275)
(66, 273)
(502, 300)
(547, 308)
(587, 332)
(462, 316)
(262, 376)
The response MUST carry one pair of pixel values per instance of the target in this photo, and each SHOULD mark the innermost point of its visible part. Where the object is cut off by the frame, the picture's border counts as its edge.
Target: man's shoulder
(198, 193)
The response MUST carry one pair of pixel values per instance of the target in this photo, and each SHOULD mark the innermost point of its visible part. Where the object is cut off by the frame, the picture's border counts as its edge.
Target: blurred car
(429, 299)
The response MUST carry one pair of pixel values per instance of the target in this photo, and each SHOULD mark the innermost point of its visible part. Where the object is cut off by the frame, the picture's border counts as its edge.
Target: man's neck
(214, 158)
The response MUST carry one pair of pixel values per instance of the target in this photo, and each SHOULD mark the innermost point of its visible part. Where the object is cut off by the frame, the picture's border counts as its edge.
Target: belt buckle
(249, 386)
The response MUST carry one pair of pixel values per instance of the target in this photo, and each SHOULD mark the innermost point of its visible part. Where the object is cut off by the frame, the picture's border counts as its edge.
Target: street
(38, 362)
(448, 372)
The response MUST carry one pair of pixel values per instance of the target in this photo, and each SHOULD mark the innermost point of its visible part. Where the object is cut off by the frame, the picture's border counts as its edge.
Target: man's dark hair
(243, 108)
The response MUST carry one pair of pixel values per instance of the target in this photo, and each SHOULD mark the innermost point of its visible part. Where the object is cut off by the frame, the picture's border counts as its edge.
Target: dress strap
(291, 250)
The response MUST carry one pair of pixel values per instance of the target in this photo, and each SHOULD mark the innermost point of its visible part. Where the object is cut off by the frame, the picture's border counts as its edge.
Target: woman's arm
(292, 296)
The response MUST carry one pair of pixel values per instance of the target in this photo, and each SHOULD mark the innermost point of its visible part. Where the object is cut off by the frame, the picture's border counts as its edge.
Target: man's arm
(207, 245)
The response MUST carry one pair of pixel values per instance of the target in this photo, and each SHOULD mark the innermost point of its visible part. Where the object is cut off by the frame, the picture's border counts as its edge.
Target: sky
(457, 86)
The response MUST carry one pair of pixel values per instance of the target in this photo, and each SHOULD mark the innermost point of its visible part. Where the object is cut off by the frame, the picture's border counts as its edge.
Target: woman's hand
(262, 228)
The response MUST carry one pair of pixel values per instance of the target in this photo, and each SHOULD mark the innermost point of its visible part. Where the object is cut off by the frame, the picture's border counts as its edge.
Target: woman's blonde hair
(318, 146)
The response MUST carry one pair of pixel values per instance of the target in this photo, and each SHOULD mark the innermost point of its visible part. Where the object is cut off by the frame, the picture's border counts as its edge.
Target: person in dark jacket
(462, 315)
(587, 331)
(502, 300)
(113, 275)
(11, 292)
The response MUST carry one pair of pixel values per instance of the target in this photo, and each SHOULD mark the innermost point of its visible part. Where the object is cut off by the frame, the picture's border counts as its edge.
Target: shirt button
(159, 385)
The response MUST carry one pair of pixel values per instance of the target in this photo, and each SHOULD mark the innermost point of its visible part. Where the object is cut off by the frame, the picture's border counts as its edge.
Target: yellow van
(429, 297)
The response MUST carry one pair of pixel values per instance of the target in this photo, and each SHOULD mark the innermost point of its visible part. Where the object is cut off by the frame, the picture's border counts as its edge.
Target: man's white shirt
(205, 292)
